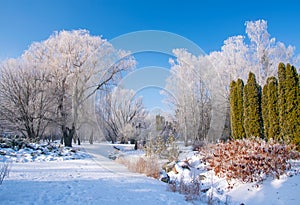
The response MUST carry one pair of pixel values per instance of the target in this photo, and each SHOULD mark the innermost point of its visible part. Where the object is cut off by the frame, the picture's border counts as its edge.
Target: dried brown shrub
(144, 165)
(249, 160)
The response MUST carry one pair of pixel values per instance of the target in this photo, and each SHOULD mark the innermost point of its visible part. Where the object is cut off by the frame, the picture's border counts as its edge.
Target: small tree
(173, 152)
(150, 148)
(160, 146)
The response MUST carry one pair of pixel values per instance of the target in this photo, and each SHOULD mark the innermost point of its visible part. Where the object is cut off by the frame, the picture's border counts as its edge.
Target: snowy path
(96, 180)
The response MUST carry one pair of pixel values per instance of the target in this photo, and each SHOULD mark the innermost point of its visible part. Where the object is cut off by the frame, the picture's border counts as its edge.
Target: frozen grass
(191, 189)
(4, 171)
(141, 164)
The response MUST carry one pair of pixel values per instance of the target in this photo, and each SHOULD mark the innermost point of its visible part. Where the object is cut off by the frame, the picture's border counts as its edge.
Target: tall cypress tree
(282, 100)
(272, 106)
(240, 109)
(233, 108)
(265, 110)
(297, 140)
(237, 109)
(253, 123)
(292, 104)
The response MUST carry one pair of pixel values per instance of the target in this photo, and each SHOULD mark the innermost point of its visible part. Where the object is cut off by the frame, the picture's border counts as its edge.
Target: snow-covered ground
(94, 179)
(272, 191)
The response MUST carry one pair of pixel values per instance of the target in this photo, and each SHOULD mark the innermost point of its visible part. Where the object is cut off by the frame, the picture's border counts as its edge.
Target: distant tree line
(268, 112)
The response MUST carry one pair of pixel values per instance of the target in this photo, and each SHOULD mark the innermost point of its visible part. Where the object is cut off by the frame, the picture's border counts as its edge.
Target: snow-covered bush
(13, 142)
(191, 189)
(249, 160)
(29, 152)
(161, 149)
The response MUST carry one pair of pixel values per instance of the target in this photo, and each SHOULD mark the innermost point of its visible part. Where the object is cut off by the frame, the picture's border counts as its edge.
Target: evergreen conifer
(252, 108)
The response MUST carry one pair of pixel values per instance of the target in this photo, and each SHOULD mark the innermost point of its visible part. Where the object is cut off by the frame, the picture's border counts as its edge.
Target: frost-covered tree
(189, 95)
(261, 56)
(80, 65)
(26, 103)
(232, 61)
(120, 113)
(265, 52)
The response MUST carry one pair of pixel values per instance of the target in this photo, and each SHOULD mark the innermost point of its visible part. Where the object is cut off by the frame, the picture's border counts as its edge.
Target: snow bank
(221, 190)
(41, 152)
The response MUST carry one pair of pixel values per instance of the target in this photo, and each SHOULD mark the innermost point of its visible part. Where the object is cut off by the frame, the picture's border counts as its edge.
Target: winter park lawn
(88, 180)
(87, 176)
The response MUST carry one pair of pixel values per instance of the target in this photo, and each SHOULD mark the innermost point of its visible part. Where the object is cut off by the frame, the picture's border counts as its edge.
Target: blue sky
(207, 23)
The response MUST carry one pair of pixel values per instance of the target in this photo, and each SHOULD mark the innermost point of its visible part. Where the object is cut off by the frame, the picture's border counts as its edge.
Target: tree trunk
(74, 139)
(68, 135)
(91, 139)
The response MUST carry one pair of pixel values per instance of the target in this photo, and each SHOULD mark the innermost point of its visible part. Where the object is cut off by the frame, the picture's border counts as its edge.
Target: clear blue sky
(207, 23)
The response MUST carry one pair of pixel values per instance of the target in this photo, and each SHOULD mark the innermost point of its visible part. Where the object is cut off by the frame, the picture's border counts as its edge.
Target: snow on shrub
(191, 189)
(30, 152)
(249, 160)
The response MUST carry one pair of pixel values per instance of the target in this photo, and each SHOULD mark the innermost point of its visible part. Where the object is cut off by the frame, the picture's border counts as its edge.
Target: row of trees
(190, 85)
(271, 112)
(50, 88)
(65, 87)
